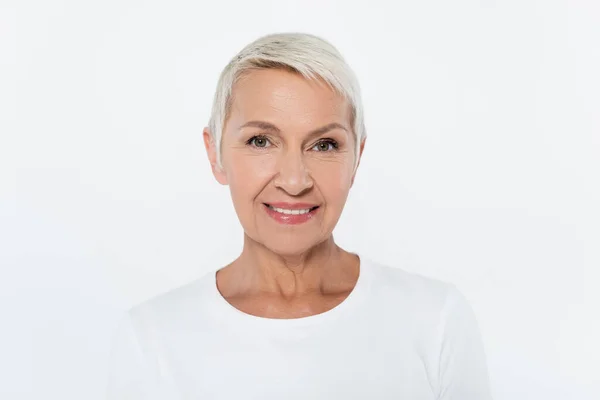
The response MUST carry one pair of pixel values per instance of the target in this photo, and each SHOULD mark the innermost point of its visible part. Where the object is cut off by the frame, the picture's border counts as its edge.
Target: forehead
(285, 97)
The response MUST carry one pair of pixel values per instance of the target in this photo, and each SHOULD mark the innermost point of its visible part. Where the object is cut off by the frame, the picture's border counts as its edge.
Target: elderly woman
(295, 316)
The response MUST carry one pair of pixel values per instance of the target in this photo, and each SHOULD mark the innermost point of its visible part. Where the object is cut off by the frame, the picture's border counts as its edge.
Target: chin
(290, 246)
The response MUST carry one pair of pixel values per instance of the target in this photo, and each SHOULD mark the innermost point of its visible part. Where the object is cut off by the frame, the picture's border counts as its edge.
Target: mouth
(291, 211)
(291, 214)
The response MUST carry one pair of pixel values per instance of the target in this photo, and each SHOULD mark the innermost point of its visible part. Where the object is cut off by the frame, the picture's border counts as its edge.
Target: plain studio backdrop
(481, 168)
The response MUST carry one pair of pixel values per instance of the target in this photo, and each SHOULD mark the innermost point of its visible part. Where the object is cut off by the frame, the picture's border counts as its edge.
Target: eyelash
(333, 143)
(253, 138)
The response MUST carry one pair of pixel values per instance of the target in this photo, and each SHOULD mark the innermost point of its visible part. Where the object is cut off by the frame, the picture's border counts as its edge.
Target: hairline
(254, 57)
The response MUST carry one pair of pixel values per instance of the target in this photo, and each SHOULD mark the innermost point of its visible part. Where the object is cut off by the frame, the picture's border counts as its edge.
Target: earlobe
(219, 174)
(211, 152)
(362, 147)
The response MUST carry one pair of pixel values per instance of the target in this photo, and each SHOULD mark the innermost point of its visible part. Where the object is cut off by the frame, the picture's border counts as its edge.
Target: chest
(338, 365)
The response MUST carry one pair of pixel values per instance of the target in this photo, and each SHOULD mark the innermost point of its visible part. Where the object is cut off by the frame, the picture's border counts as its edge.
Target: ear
(211, 152)
(362, 147)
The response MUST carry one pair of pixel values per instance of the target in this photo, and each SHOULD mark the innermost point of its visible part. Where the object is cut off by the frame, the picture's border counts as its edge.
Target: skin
(286, 271)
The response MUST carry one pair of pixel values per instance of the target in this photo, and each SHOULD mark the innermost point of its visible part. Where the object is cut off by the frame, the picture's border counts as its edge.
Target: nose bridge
(293, 176)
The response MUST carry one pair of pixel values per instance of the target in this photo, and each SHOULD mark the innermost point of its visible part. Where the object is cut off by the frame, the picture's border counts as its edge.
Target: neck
(259, 269)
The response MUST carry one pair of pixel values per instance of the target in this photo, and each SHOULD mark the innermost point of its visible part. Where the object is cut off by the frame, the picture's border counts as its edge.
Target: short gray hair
(309, 55)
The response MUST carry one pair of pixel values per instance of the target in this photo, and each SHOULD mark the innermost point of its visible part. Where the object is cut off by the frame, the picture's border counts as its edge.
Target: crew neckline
(228, 313)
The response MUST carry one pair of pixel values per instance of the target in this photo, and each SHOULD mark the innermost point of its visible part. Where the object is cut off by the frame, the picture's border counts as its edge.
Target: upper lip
(292, 206)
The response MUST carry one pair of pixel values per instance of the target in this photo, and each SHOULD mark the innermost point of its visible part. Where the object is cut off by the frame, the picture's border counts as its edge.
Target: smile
(291, 214)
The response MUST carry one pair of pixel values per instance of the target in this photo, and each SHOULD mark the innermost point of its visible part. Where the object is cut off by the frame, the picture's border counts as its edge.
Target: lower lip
(291, 219)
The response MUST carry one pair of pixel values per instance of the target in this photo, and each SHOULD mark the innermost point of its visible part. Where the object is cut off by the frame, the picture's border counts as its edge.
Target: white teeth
(290, 212)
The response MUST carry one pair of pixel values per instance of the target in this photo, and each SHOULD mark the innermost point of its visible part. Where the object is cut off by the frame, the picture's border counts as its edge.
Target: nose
(293, 175)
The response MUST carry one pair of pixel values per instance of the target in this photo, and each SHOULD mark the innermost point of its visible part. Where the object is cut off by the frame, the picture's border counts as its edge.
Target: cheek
(334, 181)
(248, 175)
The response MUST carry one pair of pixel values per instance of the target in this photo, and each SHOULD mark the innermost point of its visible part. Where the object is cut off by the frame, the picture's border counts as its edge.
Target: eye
(259, 142)
(325, 145)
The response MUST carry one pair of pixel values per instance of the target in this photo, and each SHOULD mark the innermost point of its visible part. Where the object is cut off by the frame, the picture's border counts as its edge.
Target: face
(288, 156)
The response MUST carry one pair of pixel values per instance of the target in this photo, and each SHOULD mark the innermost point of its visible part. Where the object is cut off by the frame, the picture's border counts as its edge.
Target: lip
(291, 219)
(292, 206)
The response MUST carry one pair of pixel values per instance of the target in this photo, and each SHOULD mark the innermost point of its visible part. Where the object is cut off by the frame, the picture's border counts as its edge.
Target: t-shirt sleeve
(463, 373)
(128, 374)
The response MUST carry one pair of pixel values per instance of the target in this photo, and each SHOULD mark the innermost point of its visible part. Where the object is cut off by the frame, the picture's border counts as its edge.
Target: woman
(295, 316)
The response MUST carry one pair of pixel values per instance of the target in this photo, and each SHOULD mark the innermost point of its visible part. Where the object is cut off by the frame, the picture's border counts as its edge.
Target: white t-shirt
(396, 336)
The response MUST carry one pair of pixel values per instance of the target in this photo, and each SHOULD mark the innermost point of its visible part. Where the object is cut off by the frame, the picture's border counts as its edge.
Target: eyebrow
(267, 126)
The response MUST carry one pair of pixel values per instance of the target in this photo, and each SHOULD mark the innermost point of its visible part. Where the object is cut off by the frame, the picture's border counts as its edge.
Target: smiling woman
(295, 316)
(288, 158)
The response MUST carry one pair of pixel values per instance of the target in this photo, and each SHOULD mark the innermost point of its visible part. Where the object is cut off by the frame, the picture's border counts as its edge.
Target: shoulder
(174, 306)
(427, 303)
(437, 315)
(397, 282)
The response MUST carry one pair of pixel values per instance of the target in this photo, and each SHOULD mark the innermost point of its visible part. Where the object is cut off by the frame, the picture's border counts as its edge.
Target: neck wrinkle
(259, 270)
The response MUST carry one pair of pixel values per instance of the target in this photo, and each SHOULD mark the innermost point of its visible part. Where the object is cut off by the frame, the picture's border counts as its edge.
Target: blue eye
(259, 141)
(326, 145)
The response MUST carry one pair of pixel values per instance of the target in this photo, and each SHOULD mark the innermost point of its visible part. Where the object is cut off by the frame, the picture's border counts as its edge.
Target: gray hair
(311, 56)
